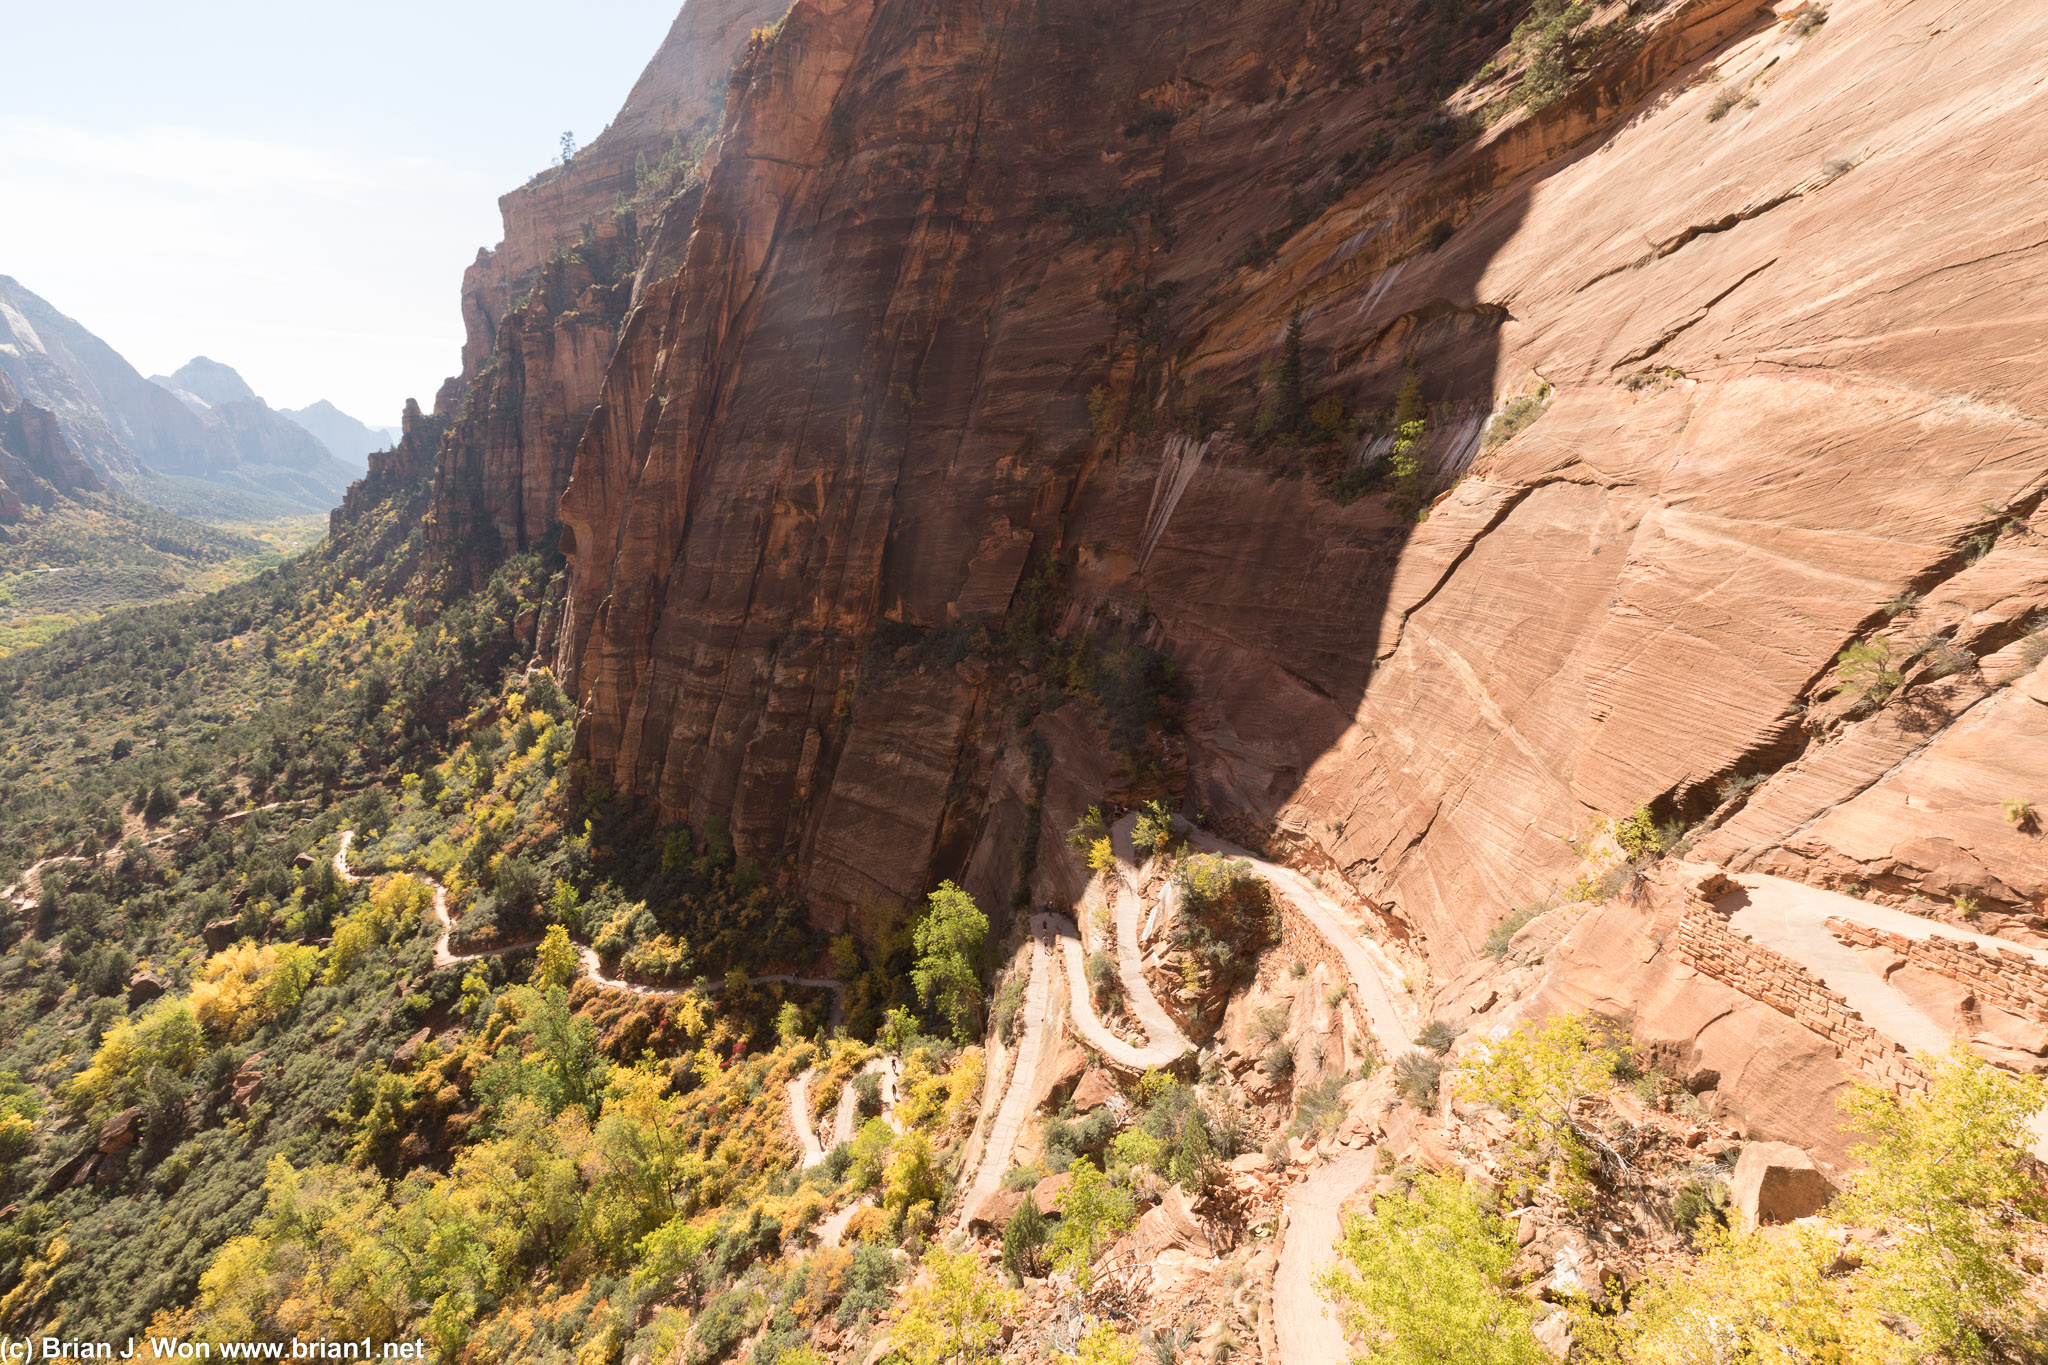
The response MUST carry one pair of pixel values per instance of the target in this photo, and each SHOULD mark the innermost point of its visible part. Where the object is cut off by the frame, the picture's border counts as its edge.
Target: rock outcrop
(832, 448)
(37, 465)
(542, 312)
(1777, 1183)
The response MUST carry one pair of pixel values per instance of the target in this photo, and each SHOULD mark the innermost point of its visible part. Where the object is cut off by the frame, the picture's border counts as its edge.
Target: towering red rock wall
(1779, 282)
(542, 312)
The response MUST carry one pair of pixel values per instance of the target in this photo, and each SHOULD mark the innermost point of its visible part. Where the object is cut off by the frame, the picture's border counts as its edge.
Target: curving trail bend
(1159, 1026)
(1161, 1050)
(799, 1114)
(1389, 1024)
(593, 967)
(1306, 1331)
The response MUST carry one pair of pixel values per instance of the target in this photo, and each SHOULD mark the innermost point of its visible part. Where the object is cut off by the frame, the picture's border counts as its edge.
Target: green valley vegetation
(240, 1101)
(95, 552)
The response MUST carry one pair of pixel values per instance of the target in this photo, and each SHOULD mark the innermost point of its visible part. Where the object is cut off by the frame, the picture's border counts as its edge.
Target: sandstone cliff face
(542, 311)
(862, 405)
(37, 465)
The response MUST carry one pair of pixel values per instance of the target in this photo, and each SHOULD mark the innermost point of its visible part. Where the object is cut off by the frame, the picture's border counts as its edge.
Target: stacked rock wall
(1708, 945)
(2010, 979)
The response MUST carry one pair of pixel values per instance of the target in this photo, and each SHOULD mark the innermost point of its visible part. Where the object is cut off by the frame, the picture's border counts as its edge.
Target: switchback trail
(1130, 961)
(1039, 1016)
(799, 1119)
(1389, 1025)
(593, 967)
(1304, 1324)
(1305, 1328)
(1163, 1048)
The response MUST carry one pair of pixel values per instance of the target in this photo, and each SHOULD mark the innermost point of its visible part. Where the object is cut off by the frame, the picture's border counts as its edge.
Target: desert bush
(1502, 934)
(1417, 1077)
(1517, 416)
(1699, 1202)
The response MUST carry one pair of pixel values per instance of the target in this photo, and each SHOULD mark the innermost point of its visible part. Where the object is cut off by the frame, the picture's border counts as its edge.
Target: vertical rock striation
(964, 290)
(542, 311)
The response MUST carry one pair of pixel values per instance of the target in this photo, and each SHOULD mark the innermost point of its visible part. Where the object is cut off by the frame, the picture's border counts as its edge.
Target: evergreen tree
(1024, 1238)
(947, 973)
(1290, 412)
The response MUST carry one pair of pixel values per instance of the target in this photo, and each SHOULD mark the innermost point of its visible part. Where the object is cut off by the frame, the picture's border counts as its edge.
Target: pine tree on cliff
(1283, 409)
(1291, 411)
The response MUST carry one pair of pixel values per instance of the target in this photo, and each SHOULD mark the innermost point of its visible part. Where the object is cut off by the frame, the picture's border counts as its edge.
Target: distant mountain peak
(346, 438)
(209, 381)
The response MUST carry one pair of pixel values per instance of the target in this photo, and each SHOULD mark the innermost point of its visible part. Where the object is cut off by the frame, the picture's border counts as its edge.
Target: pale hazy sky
(292, 189)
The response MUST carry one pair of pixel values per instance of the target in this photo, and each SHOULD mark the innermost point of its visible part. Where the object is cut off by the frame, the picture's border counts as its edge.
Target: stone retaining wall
(1300, 940)
(2009, 979)
(1708, 945)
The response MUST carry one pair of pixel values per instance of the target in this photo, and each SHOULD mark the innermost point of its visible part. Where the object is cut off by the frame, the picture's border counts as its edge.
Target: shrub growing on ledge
(1536, 1076)
(1516, 416)
(1867, 671)
(1226, 917)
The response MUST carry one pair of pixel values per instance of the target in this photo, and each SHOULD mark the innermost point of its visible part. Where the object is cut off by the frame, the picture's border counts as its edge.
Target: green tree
(954, 1313)
(1153, 831)
(1290, 408)
(947, 973)
(160, 802)
(1406, 474)
(546, 1053)
(1093, 1213)
(913, 1176)
(1946, 1173)
(789, 1022)
(1024, 1238)
(1867, 671)
(869, 1154)
(1537, 1076)
(556, 964)
(673, 1254)
(1424, 1280)
(1749, 1297)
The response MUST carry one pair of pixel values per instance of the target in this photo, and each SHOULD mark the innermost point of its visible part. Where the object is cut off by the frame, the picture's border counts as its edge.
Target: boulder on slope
(1776, 1182)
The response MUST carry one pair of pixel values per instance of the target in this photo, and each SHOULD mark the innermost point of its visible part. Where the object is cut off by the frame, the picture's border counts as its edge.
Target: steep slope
(37, 466)
(863, 404)
(166, 442)
(542, 311)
